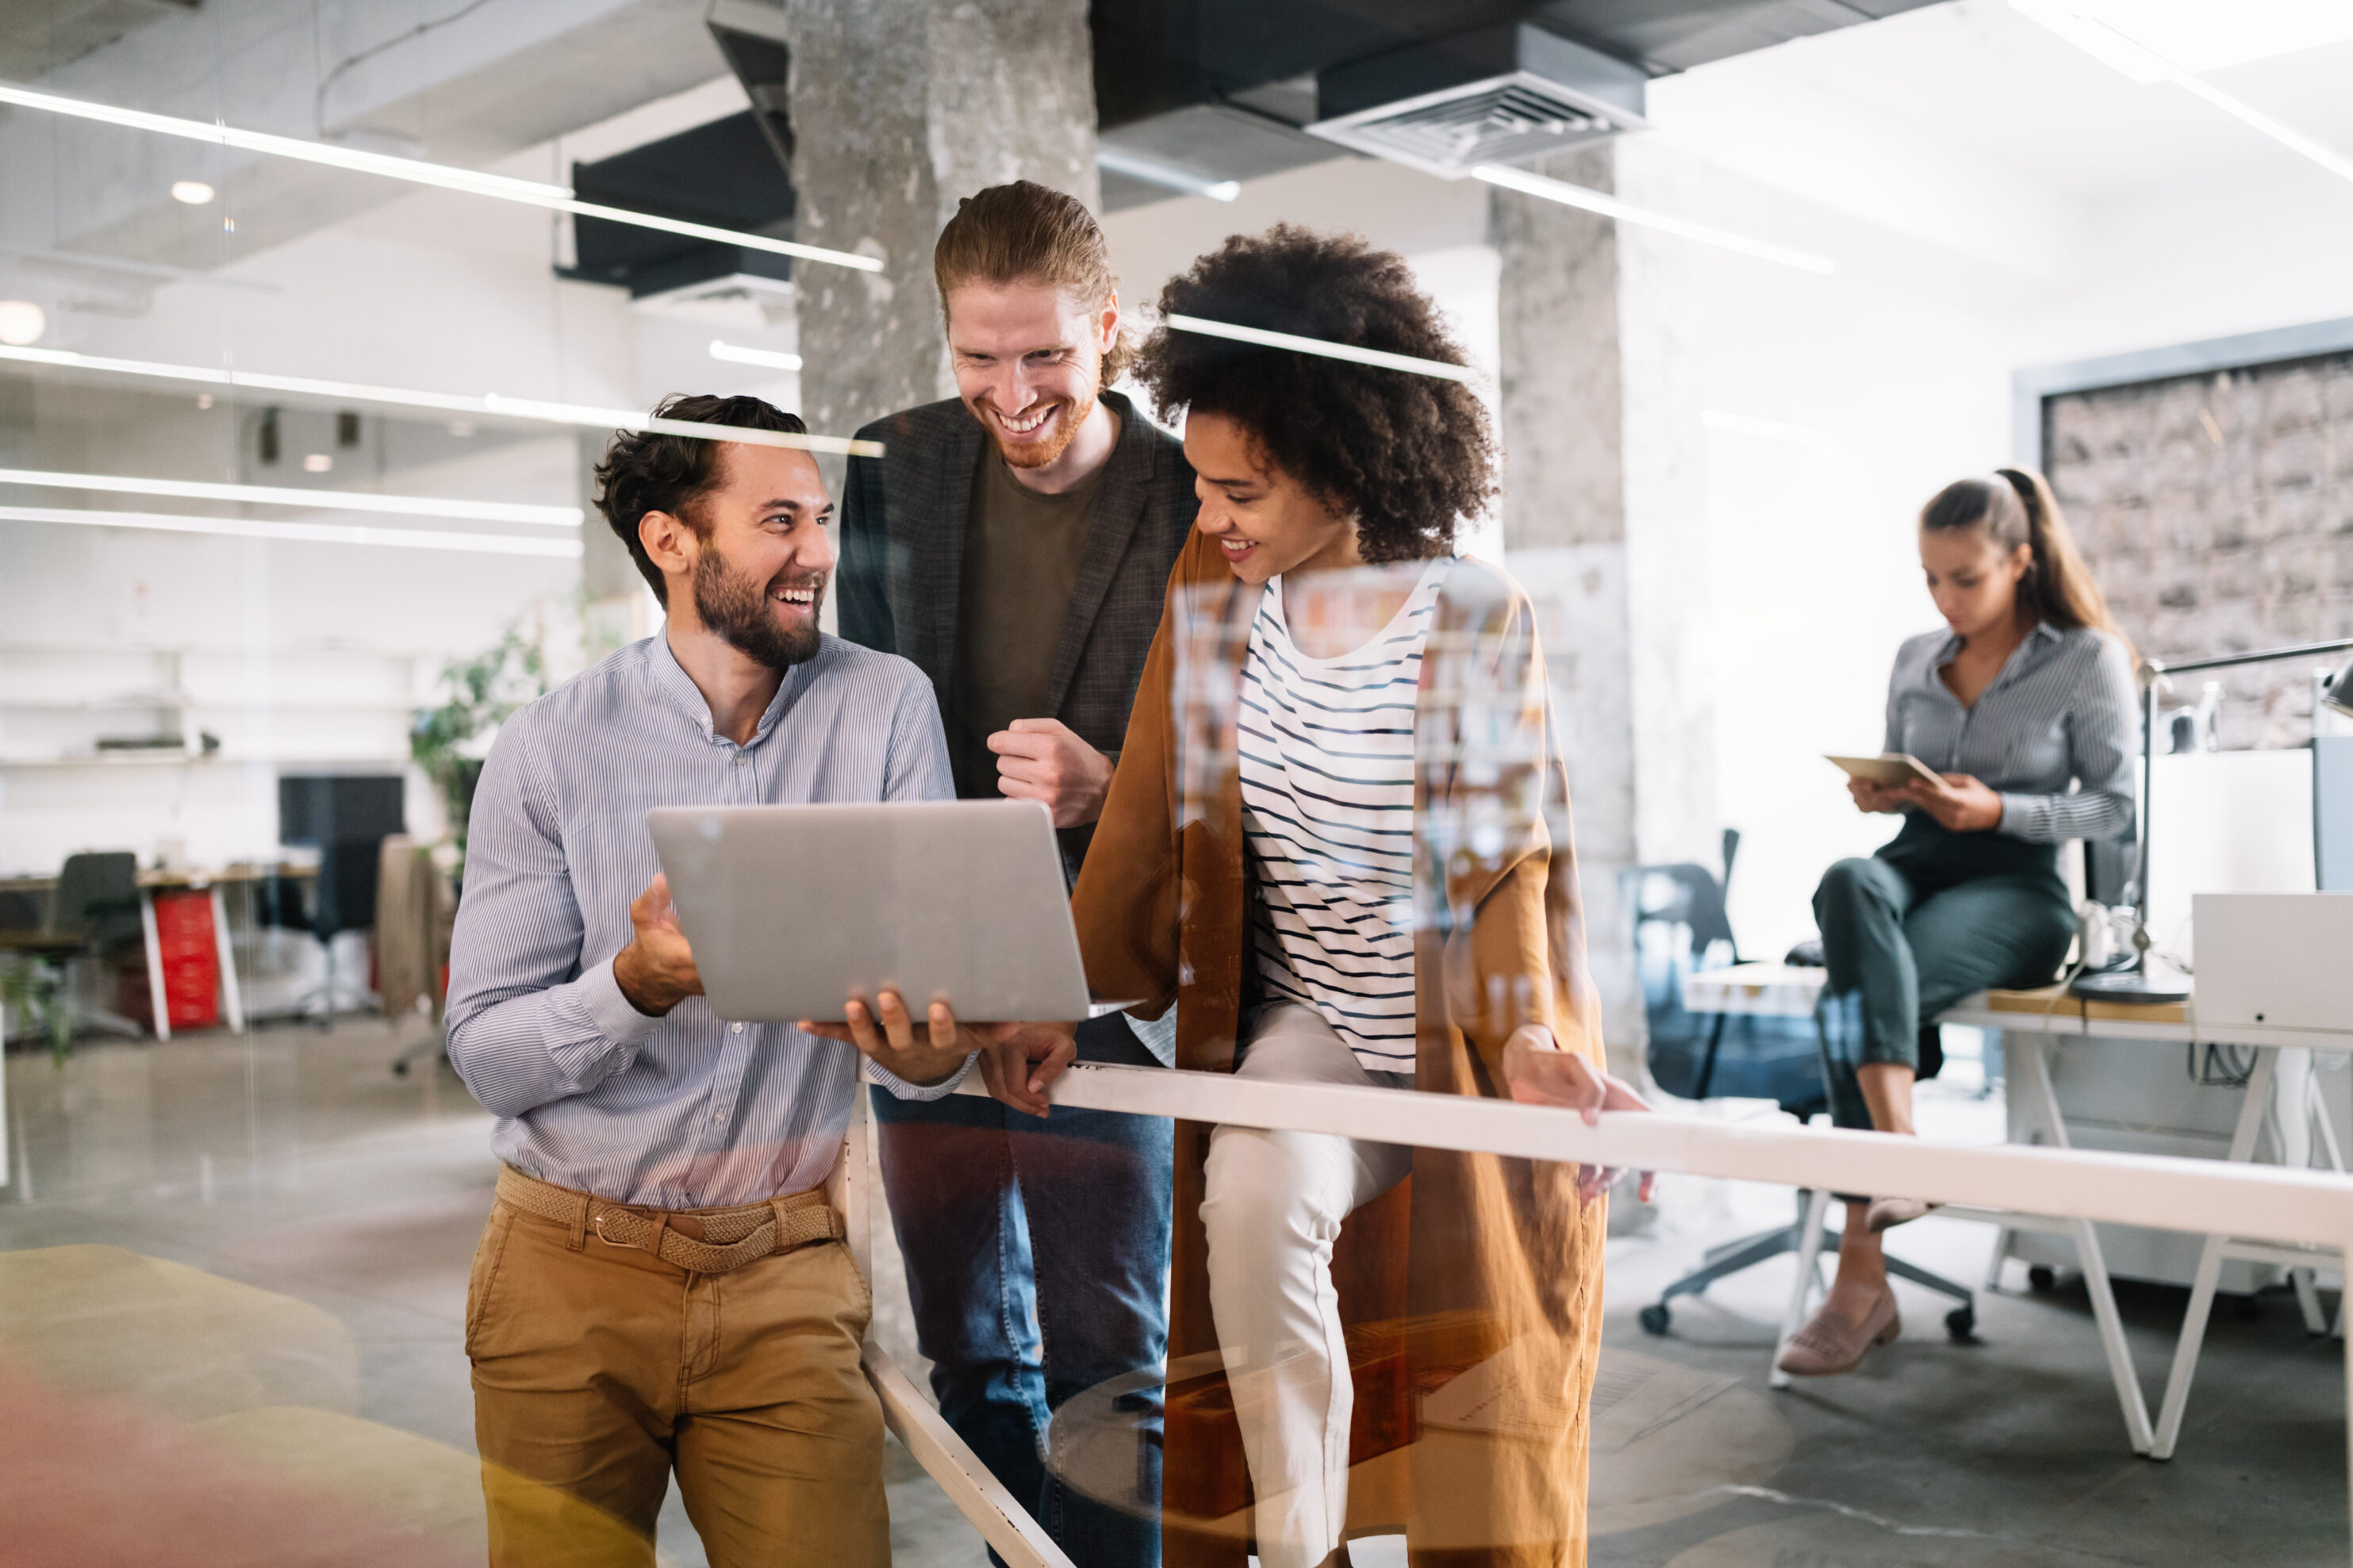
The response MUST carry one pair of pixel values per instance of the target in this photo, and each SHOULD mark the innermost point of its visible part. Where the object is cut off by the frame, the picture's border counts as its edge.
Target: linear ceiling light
(446, 402)
(1349, 352)
(1611, 208)
(472, 182)
(301, 533)
(772, 359)
(1167, 176)
(318, 501)
(2090, 28)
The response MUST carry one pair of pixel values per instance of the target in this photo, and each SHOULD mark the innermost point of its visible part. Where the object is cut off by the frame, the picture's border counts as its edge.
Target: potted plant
(449, 742)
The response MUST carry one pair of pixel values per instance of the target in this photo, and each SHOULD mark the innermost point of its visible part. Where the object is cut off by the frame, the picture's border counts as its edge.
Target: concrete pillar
(1603, 496)
(900, 109)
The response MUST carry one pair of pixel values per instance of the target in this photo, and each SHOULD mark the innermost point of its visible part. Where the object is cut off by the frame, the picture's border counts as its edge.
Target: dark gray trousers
(1903, 943)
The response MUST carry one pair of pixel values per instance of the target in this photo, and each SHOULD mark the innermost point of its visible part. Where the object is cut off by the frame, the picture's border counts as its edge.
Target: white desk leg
(2325, 1130)
(2001, 1255)
(2033, 1065)
(2209, 1265)
(224, 955)
(161, 1005)
(1801, 1289)
(2349, 1369)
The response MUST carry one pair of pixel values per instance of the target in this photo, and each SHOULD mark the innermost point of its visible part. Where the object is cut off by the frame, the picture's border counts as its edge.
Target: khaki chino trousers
(599, 1369)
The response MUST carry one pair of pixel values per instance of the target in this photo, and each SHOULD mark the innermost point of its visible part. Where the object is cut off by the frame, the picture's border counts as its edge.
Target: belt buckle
(596, 1220)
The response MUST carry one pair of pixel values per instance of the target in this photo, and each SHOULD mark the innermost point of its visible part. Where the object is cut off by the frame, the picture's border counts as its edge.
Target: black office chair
(93, 917)
(346, 818)
(1681, 927)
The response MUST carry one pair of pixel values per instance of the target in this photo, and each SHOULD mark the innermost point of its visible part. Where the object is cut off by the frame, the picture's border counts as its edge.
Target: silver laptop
(791, 910)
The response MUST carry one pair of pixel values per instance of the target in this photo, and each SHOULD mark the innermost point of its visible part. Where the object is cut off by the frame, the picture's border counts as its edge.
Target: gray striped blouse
(685, 1110)
(2062, 712)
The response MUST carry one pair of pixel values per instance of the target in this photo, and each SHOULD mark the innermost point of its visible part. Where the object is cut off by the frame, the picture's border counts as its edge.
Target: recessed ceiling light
(195, 192)
(318, 463)
(21, 322)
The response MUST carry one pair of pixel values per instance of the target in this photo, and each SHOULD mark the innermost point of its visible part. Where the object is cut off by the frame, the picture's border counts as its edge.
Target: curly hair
(1410, 456)
(652, 470)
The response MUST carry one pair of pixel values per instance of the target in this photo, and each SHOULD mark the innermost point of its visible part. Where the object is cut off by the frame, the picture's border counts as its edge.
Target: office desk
(151, 882)
(2037, 1023)
(1784, 992)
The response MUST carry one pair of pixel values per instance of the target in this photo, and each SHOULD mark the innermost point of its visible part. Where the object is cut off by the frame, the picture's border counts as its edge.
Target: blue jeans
(1038, 1265)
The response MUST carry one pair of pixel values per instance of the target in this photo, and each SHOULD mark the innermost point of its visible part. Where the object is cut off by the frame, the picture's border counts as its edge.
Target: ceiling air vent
(1497, 95)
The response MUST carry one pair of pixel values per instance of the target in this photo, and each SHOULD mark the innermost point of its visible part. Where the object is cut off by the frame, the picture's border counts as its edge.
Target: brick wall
(2217, 513)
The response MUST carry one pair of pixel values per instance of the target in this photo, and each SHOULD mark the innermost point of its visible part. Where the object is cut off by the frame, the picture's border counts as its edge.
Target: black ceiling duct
(726, 174)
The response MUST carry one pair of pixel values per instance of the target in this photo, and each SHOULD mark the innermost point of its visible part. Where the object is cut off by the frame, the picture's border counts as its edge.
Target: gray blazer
(904, 516)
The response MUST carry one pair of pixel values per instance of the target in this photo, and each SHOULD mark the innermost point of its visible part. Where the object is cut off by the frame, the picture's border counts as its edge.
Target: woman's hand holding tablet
(1959, 803)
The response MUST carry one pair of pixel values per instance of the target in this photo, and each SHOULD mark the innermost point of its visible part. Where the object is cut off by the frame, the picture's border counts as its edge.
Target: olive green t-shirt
(1021, 553)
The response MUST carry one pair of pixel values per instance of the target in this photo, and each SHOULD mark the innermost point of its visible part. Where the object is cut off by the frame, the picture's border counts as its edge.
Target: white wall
(1993, 200)
(302, 655)
(1966, 249)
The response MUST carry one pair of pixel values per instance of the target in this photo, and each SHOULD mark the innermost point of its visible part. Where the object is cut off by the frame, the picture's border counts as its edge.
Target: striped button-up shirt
(684, 1111)
(2061, 712)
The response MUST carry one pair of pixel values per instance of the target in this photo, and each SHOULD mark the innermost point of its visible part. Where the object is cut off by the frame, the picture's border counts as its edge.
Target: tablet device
(1892, 768)
(791, 910)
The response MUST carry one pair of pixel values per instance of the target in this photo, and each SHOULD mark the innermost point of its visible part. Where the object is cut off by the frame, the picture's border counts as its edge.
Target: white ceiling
(1998, 88)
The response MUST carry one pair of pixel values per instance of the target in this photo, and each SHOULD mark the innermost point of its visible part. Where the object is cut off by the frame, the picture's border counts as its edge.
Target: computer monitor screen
(339, 808)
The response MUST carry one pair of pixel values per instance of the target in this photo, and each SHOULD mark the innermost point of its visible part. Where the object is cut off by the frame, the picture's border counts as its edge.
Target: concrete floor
(333, 1209)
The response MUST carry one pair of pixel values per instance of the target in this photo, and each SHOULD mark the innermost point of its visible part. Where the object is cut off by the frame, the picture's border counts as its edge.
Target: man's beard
(1041, 453)
(737, 609)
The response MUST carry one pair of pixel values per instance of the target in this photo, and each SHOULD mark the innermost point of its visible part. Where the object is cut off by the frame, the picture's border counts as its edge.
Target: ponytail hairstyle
(2015, 507)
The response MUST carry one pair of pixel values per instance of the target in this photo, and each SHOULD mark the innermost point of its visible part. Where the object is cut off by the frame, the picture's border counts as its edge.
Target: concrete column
(900, 109)
(1604, 521)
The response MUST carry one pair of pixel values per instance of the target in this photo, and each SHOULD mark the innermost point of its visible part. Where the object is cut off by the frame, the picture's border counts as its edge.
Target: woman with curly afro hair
(1338, 843)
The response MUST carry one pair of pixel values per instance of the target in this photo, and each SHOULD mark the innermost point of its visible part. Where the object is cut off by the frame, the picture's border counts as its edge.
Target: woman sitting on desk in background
(2029, 690)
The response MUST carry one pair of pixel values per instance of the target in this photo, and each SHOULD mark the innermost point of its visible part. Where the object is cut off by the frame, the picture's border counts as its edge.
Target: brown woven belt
(705, 1241)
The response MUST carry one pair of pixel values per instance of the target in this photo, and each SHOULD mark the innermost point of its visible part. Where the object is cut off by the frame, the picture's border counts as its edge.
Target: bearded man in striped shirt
(662, 1284)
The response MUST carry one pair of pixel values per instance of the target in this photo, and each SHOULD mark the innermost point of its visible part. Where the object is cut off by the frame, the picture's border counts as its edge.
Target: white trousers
(1274, 1206)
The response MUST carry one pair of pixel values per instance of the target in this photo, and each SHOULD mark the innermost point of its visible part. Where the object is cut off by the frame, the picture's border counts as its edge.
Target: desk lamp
(2136, 984)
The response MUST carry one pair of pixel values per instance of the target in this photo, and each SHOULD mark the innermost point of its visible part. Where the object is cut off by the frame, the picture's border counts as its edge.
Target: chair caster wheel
(1961, 1323)
(1654, 1317)
(2041, 1280)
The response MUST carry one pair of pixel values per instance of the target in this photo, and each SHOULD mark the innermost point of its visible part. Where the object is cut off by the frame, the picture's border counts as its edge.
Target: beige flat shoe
(1885, 1213)
(1831, 1345)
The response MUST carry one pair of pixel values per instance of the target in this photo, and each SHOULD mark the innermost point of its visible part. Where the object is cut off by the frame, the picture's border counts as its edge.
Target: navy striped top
(2062, 712)
(684, 1111)
(1326, 760)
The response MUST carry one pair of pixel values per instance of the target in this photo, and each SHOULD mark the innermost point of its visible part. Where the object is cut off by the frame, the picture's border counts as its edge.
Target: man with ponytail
(1015, 542)
(2024, 705)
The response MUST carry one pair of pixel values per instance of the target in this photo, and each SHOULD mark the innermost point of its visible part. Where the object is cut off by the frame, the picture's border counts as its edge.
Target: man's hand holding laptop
(657, 971)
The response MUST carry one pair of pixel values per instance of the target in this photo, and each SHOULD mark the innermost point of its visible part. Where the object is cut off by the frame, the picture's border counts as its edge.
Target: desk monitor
(791, 909)
(339, 808)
